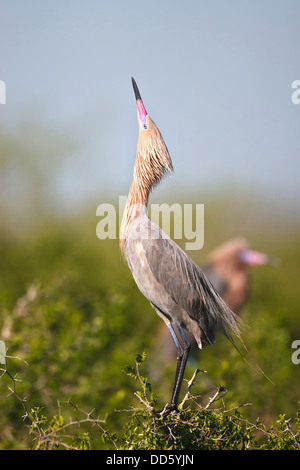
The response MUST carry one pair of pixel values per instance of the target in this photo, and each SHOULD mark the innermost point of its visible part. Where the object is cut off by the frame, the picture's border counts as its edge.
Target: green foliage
(207, 430)
(195, 427)
(199, 427)
(190, 430)
(135, 374)
(53, 433)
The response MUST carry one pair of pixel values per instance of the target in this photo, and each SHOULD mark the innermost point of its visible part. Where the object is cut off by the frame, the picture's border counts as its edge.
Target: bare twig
(12, 390)
(90, 418)
(49, 436)
(217, 396)
(190, 384)
(287, 422)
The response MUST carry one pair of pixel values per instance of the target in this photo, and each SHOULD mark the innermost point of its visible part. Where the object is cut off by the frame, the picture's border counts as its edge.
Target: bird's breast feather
(159, 265)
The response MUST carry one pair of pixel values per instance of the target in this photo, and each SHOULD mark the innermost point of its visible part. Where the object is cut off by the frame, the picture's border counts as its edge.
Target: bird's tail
(216, 314)
(224, 319)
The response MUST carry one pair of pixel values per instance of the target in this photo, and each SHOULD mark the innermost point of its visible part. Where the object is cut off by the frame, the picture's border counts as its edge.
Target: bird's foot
(166, 410)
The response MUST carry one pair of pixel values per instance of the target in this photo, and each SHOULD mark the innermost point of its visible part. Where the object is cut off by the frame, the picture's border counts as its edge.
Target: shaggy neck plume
(137, 202)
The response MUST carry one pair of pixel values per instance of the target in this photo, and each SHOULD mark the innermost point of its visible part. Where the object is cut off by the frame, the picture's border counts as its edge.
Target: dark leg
(183, 348)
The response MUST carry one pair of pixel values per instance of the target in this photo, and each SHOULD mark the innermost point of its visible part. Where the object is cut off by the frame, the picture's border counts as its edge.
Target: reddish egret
(176, 287)
(227, 269)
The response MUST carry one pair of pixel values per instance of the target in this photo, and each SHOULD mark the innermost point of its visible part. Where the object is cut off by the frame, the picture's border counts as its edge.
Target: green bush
(194, 427)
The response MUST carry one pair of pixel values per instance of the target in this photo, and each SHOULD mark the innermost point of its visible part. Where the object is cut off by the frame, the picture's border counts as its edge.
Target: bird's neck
(147, 173)
(136, 205)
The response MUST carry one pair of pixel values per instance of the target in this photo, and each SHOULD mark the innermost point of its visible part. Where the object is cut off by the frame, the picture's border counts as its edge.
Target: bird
(174, 284)
(227, 268)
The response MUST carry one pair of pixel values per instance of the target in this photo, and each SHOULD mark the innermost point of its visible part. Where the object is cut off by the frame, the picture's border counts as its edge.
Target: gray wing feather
(188, 286)
(217, 281)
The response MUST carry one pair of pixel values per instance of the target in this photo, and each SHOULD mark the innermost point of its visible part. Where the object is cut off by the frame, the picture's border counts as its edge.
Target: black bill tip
(136, 90)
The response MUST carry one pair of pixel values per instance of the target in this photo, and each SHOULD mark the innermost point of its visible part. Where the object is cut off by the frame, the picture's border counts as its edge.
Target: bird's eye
(145, 126)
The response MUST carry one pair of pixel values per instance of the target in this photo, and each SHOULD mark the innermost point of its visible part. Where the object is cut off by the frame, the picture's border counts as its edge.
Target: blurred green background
(68, 304)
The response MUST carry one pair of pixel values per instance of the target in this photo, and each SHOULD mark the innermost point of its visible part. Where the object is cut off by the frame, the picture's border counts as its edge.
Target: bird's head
(153, 159)
(236, 252)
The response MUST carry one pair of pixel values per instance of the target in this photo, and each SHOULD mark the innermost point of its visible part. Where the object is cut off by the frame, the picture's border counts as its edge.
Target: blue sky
(214, 76)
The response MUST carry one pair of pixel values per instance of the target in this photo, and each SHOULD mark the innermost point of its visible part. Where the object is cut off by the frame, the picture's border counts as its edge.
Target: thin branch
(49, 437)
(90, 418)
(287, 422)
(190, 384)
(217, 396)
